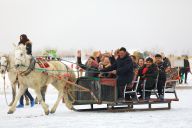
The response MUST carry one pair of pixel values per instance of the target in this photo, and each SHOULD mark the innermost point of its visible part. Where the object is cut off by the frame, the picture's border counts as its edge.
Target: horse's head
(21, 57)
(3, 64)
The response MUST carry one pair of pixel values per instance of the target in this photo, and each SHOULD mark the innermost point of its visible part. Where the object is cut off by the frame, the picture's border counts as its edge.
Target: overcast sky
(98, 24)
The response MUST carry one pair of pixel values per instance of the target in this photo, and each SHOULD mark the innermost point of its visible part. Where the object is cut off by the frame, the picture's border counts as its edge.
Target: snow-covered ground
(180, 116)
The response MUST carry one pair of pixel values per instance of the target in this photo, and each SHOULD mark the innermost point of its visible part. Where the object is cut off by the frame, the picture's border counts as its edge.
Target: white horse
(7, 65)
(30, 77)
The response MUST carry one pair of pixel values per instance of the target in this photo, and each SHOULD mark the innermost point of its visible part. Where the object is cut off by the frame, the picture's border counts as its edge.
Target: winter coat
(150, 75)
(89, 71)
(186, 66)
(140, 71)
(28, 45)
(162, 74)
(112, 60)
(167, 61)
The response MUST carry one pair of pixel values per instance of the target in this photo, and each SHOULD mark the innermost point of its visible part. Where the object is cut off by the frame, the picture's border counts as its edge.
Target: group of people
(122, 66)
(125, 68)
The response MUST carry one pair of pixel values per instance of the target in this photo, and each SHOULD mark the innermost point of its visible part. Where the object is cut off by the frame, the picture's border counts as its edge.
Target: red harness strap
(42, 62)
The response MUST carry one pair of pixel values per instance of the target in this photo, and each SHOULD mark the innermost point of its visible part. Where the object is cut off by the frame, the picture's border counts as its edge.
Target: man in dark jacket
(123, 67)
(149, 73)
(186, 68)
(162, 66)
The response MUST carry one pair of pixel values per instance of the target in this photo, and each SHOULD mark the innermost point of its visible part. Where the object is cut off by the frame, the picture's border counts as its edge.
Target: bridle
(6, 66)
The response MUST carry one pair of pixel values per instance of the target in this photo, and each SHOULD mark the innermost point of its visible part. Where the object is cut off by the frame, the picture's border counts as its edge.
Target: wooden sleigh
(103, 91)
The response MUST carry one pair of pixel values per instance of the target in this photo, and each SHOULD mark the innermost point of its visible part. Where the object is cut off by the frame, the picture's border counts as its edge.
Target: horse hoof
(10, 112)
(73, 109)
(52, 111)
(47, 113)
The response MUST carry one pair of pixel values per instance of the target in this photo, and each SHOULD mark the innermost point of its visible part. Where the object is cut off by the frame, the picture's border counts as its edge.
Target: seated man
(162, 66)
(149, 73)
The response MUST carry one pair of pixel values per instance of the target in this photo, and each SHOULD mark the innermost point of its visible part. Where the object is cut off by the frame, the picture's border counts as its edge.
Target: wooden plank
(86, 102)
(144, 102)
(108, 82)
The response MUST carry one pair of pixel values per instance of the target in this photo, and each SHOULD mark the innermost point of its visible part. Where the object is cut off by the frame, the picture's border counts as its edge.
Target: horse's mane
(21, 47)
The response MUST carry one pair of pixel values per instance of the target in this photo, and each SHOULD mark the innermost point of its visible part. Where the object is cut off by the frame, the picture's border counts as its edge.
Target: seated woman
(141, 63)
(105, 64)
(149, 73)
(91, 66)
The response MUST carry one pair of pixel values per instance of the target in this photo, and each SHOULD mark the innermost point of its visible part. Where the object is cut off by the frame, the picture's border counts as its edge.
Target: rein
(7, 68)
(5, 94)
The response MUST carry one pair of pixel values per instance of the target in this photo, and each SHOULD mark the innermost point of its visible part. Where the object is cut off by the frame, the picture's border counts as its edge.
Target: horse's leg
(22, 90)
(26, 99)
(13, 93)
(68, 102)
(40, 99)
(43, 91)
(36, 100)
(60, 95)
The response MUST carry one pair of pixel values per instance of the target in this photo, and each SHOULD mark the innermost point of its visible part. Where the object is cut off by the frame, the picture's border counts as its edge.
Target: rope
(5, 91)
(78, 64)
(46, 70)
(93, 69)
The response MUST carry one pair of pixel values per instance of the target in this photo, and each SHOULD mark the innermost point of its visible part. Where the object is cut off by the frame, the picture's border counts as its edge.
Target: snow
(180, 116)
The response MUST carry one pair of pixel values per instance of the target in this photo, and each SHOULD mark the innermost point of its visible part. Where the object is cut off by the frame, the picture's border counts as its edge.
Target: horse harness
(30, 68)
